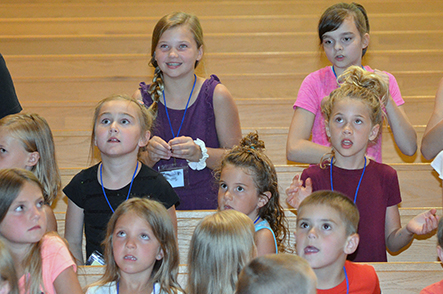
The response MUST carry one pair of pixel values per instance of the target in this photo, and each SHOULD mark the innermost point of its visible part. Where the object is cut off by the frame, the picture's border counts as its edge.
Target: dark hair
(249, 155)
(334, 16)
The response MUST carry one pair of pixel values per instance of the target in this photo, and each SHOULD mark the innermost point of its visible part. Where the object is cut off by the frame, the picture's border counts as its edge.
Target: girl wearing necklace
(121, 127)
(353, 117)
(196, 120)
(141, 251)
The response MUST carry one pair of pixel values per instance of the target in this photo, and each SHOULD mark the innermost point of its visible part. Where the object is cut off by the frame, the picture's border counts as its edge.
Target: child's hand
(185, 148)
(296, 192)
(385, 78)
(423, 223)
(158, 149)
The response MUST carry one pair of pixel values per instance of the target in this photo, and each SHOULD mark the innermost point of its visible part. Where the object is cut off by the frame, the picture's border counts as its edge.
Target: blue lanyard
(118, 287)
(333, 70)
(359, 182)
(103, 188)
(347, 281)
(256, 220)
(184, 114)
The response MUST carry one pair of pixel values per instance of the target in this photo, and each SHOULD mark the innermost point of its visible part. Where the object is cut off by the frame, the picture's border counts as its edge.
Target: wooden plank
(85, 65)
(73, 147)
(210, 24)
(422, 249)
(411, 83)
(158, 8)
(215, 42)
(419, 183)
(77, 115)
(395, 277)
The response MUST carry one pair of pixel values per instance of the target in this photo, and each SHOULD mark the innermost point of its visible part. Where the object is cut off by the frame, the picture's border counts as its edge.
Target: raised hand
(296, 192)
(423, 223)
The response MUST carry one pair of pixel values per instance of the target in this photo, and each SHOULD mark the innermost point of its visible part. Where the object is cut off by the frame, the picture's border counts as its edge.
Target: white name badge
(175, 175)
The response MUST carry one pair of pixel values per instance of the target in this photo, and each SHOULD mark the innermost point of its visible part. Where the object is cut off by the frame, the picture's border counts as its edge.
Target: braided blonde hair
(167, 22)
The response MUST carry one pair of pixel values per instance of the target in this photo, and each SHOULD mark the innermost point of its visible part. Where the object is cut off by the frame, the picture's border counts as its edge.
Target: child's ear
(33, 158)
(144, 139)
(160, 254)
(352, 243)
(200, 53)
(328, 132)
(365, 41)
(263, 199)
(440, 252)
(374, 132)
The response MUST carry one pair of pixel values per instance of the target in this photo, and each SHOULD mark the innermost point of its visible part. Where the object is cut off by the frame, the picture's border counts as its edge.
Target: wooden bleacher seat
(395, 277)
(422, 249)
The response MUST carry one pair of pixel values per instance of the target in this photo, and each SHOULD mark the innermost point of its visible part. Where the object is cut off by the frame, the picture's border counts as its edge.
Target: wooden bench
(422, 249)
(395, 277)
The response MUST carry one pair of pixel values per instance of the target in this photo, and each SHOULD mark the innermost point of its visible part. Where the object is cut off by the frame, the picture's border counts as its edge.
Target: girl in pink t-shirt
(344, 35)
(42, 261)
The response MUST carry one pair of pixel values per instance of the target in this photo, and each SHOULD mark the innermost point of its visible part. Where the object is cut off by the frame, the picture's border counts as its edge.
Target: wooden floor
(65, 56)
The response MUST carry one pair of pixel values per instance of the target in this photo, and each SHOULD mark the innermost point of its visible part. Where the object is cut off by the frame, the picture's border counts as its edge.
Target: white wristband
(201, 164)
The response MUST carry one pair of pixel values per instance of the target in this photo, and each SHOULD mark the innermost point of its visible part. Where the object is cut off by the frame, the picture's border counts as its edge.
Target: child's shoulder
(381, 168)
(88, 172)
(51, 239)
(359, 268)
(362, 277)
(320, 75)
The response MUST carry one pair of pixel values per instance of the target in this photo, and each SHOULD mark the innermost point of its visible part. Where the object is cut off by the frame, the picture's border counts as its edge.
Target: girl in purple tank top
(196, 119)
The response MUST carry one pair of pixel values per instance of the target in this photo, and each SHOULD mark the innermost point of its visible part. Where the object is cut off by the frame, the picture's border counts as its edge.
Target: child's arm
(296, 192)
(227, 123)
(67, 282)
(398, 237)
(432, 142)
(298, 147)
(404, 133)
(74, 230)
(264, 240)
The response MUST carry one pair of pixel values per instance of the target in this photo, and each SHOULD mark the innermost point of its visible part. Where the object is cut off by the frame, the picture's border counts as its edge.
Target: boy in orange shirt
(326, 234)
